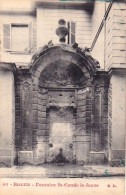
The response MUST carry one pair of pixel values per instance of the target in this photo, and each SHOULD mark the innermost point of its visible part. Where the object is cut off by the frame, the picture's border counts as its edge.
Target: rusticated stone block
(35, 113)
(17, 112)
(81, 108)
(17, 100)
(88, 108)
(37, 73)
(41, 114)
(25, 157)
(88, 102)
(35, 100)
(40, 138)
(81, 97)
(97, 157)
(81, 120)
(18, 125)
(42, 107)
(88, 126)
(105, 126)
(35, 106)
(105, 132)
(17, 106)
(96, 125)
(81, 114)
(88, 119)
(81, 103)
(35, 125)
(40, 132)
(81, 130)
(42, 126)
(88, 113)
(82, 148)
(104, 120)
(105, 107)
(17, 93)
(35, 119)
(105, 101)
(17, 119)
(42, 120)
(17, 86)
(35, 80)
(83, 138)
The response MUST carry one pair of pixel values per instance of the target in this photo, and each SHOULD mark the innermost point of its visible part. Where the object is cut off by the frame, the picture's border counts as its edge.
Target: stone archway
(63, 81)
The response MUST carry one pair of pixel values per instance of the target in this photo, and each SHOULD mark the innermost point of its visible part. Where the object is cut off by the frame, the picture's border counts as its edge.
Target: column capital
(7, 66)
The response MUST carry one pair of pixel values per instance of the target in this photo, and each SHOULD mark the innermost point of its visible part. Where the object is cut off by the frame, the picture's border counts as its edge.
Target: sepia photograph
(62, 97)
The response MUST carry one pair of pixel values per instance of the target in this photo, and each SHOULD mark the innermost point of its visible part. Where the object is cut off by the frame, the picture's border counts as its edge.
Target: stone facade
(58, 104)
(61, 85)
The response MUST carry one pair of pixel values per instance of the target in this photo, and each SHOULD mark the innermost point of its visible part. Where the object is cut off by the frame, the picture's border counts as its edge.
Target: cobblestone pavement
(60, 171)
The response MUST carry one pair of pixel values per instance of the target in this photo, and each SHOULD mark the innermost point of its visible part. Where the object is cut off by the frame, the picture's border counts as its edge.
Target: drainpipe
(105, 38)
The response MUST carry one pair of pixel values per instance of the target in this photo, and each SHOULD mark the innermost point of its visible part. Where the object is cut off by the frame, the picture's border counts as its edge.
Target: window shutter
(72, 32)
(30, 36)
(6, 36)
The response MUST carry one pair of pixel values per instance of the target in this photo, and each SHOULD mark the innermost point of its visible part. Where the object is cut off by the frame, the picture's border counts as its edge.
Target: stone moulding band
(8, 66)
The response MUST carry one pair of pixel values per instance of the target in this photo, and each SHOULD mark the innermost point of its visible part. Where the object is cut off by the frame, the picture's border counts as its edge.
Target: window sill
(20, 52)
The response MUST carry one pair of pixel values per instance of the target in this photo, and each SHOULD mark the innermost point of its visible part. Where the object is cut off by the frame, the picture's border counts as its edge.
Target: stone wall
(116, 117)
(90, 108)
(7, 114)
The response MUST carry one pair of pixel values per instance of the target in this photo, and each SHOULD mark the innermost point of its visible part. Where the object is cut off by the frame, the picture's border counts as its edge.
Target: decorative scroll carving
(25, 113)
(62, 74)
(26, 86)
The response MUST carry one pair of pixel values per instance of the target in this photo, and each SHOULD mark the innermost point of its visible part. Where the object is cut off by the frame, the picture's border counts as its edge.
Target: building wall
(43, 26)
(116, 37)
(110, 45)
(47, 23)
(7, 114)
(20, 58)
(97, 16)
(116, 119)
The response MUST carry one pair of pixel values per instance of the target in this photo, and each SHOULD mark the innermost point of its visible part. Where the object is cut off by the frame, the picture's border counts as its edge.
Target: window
(16, 37)
(71, 35)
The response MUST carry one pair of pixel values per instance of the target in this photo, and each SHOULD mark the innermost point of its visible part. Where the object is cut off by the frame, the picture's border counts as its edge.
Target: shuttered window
(20, 38)
(17, 37)
(71, 35)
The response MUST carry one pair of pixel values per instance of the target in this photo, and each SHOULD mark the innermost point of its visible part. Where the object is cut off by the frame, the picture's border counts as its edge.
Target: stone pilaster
(83, 126)
(99, 118)
(41, 132)
(7, 113)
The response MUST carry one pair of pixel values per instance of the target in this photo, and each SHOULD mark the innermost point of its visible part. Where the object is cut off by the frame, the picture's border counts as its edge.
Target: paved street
(60, 171)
